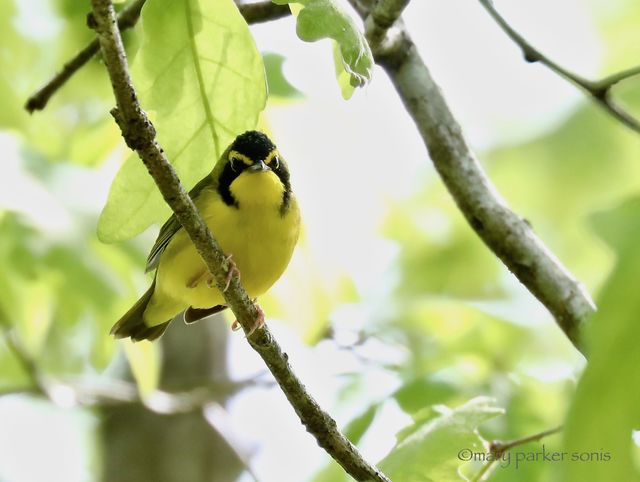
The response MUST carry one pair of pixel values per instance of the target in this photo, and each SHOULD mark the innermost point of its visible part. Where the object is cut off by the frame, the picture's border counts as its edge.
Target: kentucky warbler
(248, 205)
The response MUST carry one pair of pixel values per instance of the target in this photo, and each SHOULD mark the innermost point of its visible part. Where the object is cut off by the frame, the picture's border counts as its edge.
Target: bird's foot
(257, 324)
(197, 279)
(232, 269)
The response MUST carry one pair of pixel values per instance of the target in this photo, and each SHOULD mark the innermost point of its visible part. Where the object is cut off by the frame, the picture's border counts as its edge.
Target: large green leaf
(429, 450)
(320, 19)
(200, 75)
(606, 408)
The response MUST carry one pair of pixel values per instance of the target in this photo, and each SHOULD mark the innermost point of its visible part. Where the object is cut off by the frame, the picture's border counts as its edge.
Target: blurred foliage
(278, 84)
(448, 258)
(611, 377)
(40, 283)
(75, 125)
(451, 325)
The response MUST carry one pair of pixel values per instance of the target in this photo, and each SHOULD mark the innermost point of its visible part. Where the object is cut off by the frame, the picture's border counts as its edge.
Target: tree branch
(260, 12)
(264, 11)
(139, 134)
(599, 90)
(117, 392)
(498, 448)
(508, 235)
(38, 100)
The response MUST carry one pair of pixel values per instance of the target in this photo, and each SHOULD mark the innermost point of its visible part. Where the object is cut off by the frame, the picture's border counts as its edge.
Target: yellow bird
(249, 207)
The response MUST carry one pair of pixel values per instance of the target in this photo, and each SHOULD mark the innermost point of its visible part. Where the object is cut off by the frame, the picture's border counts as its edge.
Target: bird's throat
(258, 190)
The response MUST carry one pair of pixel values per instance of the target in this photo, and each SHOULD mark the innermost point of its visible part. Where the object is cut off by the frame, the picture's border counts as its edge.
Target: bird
(249, 206)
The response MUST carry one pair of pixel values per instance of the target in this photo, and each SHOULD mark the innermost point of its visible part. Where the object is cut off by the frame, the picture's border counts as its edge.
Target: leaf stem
(498, 448)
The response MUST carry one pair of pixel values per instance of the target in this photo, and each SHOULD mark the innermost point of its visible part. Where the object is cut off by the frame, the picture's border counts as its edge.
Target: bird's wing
(171, 227)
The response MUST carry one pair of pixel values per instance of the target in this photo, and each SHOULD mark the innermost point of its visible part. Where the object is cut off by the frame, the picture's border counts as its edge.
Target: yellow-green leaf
(200, 74)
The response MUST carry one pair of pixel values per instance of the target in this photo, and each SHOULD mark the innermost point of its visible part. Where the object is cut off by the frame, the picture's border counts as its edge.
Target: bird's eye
(275, 162)
(232, 160)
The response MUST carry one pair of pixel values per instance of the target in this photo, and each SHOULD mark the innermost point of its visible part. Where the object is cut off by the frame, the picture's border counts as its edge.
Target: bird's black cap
(254, 145)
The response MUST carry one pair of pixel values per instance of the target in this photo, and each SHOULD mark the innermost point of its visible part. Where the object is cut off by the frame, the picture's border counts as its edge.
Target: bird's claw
(232, 269)
(258, 323)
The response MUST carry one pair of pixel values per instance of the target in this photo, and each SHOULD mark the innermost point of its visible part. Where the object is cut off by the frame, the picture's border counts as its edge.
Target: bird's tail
(132, 323)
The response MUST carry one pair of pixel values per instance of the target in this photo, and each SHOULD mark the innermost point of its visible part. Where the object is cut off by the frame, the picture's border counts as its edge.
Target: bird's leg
(258, 323)
(197, 279)
(210, 280)
(232, 269)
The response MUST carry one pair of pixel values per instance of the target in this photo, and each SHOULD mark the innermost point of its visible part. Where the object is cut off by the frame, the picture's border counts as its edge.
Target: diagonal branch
(38, 100)
(139, 134)
(599, 90)
(508, 235)
(263, 11)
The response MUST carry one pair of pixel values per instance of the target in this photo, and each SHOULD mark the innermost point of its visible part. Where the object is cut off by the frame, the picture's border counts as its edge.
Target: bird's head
(251, 171)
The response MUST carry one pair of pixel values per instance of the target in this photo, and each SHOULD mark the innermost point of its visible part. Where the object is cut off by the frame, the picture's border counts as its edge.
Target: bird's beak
(259, 167)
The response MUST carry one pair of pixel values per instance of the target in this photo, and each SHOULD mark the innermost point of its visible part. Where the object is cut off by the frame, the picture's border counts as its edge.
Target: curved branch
(508, 235)
(139, 134)
(264, 11)
(599, 90)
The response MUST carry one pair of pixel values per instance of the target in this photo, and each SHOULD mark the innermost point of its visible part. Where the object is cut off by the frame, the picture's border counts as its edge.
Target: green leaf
(327, 19)
(430, 451)
(359, 425)
(343, 77)
(422, 392)
(279, 86)
(606, 407)
(200, 74)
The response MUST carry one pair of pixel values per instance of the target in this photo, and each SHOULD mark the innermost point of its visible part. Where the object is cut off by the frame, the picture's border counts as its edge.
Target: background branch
(253, 13)
(599, 90)
(508, 235)
(498, 448)
(139, 134)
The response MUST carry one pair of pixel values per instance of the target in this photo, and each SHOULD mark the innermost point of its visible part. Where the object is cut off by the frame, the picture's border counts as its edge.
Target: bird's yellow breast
(257, 232)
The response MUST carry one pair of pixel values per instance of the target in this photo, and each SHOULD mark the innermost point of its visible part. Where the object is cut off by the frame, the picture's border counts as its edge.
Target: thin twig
(498, 449)
(264, 11)
(508, 235)
(139, 135)
(38, 101)
(599, 90)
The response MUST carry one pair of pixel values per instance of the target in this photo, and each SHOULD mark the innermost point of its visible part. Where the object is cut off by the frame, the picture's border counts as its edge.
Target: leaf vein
(226, 67)
(200, 78)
